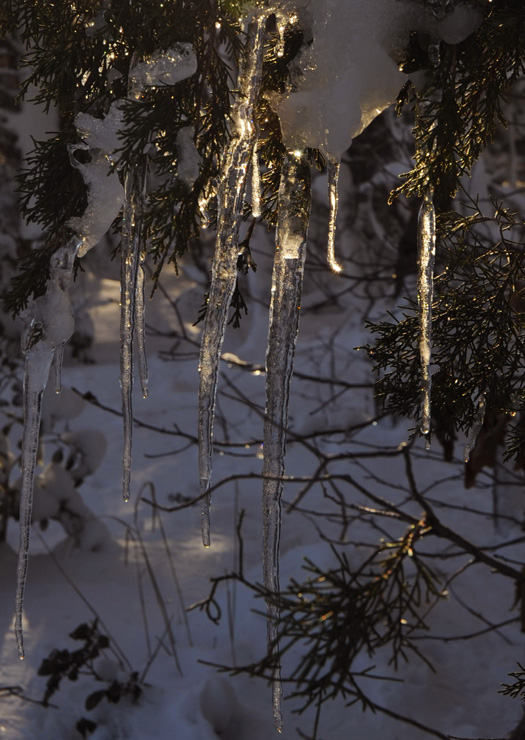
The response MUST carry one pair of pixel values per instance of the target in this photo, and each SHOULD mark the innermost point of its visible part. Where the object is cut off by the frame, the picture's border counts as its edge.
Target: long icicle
(131, 252)
(425, 286)
(50, 325)
(230, 199)
(287, 280)
(333, 167)
(38, 361)
(140, 322)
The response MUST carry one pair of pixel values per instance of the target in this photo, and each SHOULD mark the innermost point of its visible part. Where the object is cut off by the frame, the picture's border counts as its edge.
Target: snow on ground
(185, 699)
(191, 701)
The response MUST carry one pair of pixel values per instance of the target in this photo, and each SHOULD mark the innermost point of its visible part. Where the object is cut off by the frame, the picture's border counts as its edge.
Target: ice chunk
(105, 197)
(101, 133)
(164, 68)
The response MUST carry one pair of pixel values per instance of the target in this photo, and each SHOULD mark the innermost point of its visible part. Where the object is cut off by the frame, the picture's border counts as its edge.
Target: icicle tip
(19, 638)
(335, 266)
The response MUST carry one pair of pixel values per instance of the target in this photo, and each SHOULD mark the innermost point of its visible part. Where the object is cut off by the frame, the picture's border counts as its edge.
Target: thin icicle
(164, 68)
(425, 285)
(37, 365)
(287, 280)
(476, 427)
(50, 324)
(140, 325)
(333, 167)
(256, 183)
(131, 252)
(59, 361)
(230, 199)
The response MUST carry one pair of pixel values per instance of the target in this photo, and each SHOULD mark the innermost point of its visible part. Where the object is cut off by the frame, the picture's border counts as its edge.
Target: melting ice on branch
(224, 272)
(287, 281)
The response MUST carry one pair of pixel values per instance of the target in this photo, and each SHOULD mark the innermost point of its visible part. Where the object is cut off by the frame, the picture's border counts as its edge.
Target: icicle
(50, 324)
(131, 253)
(230, 199)
(165, 68)
(333, 168)
(256, 183)
(59, 360)
(287, 279)
(476, 427)
(140, 325)
(426, 249)
(37, 365)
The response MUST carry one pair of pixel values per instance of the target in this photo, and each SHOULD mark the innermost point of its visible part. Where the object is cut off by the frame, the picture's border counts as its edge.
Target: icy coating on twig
(476, 427)
(333, 167)
(224, 272)
(287, 281)
(425, 287)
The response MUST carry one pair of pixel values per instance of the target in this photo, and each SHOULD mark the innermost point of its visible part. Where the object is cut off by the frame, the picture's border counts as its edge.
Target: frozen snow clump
(165, 68)
(350, 72)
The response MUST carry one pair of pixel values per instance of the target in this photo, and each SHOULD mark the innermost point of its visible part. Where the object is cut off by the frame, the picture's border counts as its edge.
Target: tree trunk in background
(9, 239)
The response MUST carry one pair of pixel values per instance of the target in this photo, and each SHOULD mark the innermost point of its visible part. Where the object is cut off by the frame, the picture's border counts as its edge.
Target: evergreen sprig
(79, 56)
(459, 105)
(337, 614)
(516, 689)
(477, 338)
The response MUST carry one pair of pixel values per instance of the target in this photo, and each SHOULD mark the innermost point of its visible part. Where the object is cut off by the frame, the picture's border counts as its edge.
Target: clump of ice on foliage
(349, 73)
(165, 68)
(105, 193)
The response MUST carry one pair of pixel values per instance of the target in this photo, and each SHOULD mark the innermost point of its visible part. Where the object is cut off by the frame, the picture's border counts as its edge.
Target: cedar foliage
(79, 55)
(476, 325)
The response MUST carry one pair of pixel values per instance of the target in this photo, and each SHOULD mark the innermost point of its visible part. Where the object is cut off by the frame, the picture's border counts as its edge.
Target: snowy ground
(186, 699)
